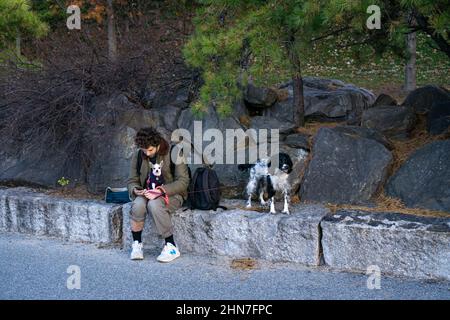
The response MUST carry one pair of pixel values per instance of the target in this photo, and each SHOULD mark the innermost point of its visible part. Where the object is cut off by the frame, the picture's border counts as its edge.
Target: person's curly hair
(150, 137)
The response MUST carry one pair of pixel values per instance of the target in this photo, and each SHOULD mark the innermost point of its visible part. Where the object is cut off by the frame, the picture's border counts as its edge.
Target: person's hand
(153, 194)
(138, 192)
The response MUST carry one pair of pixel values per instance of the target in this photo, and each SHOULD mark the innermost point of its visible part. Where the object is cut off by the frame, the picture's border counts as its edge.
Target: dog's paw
(273, 212)
(285, 212)
(264, 203)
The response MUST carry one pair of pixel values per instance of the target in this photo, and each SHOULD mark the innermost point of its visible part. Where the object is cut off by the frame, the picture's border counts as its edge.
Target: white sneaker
(169, 253)
(136, 251)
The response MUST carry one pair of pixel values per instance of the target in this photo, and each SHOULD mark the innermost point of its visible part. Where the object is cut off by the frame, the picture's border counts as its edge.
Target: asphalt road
(37, 268)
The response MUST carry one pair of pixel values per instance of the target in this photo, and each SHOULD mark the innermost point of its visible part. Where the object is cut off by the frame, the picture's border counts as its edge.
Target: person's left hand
(152, 195)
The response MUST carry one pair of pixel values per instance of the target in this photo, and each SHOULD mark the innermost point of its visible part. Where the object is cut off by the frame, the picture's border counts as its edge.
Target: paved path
(36, 268)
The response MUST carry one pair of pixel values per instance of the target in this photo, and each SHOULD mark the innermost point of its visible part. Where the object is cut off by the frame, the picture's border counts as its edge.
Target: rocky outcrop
(438, 119)
(230, 177)
(329, 100)
(113, 144)
(349, 165)
(423, 181)
(422, 99)
(397, 244)
(393, 122)
(298, 140)
(260, 97)
(384, 100)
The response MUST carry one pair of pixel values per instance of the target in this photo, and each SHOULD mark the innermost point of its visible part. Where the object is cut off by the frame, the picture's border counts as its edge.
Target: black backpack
(204, 190)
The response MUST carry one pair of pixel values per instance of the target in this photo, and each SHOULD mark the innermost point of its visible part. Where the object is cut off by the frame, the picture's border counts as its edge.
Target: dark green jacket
(173, 185)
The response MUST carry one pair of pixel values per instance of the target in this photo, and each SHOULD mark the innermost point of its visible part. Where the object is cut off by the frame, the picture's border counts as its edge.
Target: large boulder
(260, 97)
(43, 168)
(231, 179)
(112, 144)
(103, 157)
(423, 180)
(438, 119)
(384, 100)
(151, 98)
(366, 133)
(325, 99)
(422, 99)
(265, 122)
(393, 122)
(299, 157)
(349, 165)
(298, 140)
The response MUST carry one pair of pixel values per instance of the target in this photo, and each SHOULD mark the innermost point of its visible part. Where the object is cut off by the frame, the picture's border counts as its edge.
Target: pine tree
(262, 42)
(18, 20)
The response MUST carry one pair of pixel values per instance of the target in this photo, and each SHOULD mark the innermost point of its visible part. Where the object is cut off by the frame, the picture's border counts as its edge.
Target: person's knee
(138, 210)
(155, 206)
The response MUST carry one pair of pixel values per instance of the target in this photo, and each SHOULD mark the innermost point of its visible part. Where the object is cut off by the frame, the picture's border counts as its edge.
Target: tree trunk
(112, 37)
(299, 100)
(18, 45)
(297, 85)
(410, 67)
(297, 82)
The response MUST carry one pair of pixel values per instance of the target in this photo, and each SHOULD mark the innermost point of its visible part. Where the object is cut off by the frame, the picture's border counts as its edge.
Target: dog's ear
(162, 161)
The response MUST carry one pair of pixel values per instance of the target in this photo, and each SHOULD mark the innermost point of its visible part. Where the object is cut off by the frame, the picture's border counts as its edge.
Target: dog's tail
(245, 166)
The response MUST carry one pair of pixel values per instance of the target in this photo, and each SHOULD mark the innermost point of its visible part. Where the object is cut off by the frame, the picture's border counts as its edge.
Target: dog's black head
(285, 163)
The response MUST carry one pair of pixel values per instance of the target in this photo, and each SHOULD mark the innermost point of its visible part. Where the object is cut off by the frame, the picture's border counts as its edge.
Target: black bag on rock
(204, 190)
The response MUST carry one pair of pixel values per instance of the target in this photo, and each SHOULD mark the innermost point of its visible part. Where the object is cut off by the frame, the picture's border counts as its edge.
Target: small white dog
(155, 178)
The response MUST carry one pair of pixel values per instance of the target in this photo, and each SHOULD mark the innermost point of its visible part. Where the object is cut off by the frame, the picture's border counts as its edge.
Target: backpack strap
(207, 191)
(190, 202)
(206, 185)
(172, 164)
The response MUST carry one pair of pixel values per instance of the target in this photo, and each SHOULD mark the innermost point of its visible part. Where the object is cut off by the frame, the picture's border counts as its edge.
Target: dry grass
(391, 205)
(245, 120)
(76, 193)
(311, 128)
(244, 264)
(253, 208)
(295, 199)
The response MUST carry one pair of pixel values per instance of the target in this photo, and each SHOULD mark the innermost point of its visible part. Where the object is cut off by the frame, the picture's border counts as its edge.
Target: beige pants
(160, 212)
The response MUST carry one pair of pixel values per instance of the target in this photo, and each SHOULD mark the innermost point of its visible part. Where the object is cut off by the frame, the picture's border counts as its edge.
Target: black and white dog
(263, 180)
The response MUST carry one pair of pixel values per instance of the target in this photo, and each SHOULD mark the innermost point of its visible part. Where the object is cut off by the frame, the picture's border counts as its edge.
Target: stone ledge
(398, 244)
(242, 233)
(351, 240)
(24, 210)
